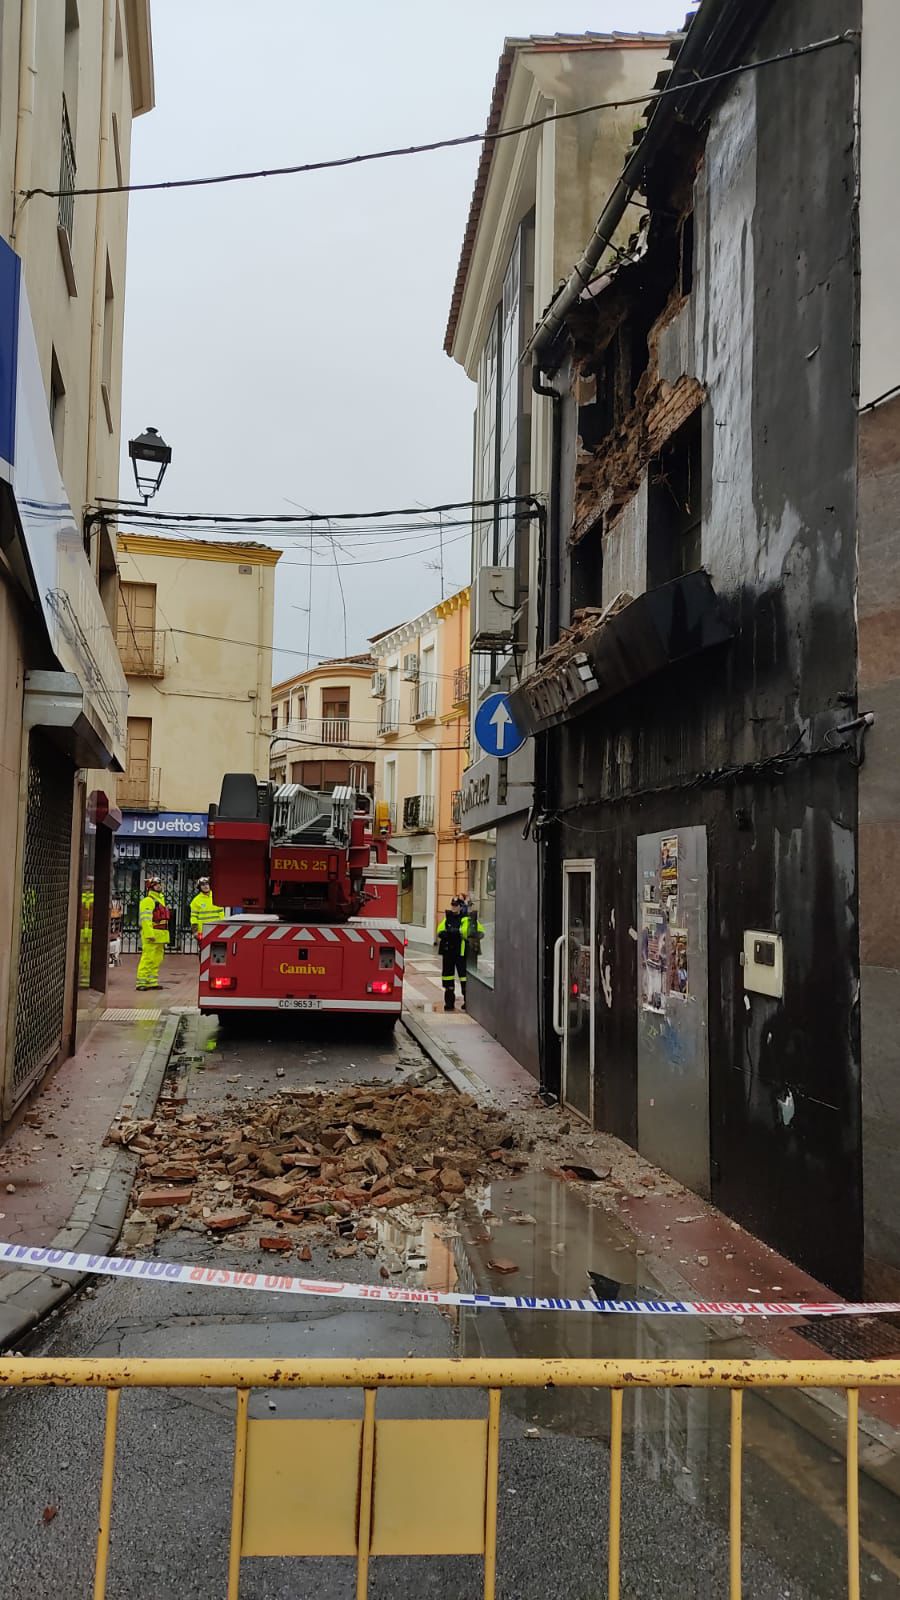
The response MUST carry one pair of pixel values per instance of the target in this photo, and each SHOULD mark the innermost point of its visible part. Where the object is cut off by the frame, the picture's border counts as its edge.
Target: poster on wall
(678, 962)
(668, 874)
(654, 957)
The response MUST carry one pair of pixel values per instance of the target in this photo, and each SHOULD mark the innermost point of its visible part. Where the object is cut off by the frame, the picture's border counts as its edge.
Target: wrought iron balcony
(389, 716)
(139, 788)
(425, 702)
(142, 652)
(460, 686)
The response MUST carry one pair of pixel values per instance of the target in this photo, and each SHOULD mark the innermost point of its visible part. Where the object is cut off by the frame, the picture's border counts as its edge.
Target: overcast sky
(286, 335)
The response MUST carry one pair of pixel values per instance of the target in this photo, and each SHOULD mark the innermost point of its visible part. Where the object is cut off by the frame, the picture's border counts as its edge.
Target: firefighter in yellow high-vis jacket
(154, 917)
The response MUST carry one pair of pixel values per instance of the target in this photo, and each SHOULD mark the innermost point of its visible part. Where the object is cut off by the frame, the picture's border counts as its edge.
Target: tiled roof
(537, 42)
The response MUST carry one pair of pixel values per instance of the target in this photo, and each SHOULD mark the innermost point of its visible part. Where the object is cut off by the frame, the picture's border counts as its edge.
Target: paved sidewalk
(687, 1248)
(59, 1184)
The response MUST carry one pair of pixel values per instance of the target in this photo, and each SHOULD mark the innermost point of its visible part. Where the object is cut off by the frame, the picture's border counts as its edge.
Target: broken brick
(224, 1221)
(164, 1197)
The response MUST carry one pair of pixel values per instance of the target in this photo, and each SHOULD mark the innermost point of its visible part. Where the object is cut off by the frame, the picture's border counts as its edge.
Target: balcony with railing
(139, 788)
(425, 700)
(460, 686)
(418, 813)
(389, 717)
(343, 733)
(142, 652)
(456, 808)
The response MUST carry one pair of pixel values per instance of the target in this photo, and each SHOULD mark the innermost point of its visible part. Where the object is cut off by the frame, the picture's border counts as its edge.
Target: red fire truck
(312, 900)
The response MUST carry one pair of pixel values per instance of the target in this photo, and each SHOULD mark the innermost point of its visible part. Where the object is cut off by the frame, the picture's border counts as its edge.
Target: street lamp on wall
(150, 456)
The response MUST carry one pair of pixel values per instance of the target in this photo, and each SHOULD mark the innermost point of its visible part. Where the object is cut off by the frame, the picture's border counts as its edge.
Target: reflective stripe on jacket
(204, 910)
(149, 933)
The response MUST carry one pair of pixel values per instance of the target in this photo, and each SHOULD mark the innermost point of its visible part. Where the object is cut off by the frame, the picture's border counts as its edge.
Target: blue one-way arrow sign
(495, 729)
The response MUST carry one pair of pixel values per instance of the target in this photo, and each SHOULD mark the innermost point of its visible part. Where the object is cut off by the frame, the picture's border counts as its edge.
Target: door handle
(558, 1027)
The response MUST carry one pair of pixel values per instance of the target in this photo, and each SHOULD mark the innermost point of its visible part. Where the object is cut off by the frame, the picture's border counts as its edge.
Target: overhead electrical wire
(488, 136)
(112, 509)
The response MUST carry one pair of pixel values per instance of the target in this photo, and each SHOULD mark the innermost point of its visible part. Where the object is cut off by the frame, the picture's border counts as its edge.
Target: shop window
(482, 889)
(674, 507)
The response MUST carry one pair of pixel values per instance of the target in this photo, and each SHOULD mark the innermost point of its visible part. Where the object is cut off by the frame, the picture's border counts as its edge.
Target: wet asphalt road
(170, 1521)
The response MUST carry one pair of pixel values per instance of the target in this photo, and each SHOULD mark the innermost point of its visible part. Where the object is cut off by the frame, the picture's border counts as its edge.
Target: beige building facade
(323, 725)
(73, 75)
(421, 690)
(194, 632)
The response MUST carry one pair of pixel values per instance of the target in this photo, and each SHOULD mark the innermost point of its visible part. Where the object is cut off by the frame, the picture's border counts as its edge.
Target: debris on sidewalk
(314, 1159)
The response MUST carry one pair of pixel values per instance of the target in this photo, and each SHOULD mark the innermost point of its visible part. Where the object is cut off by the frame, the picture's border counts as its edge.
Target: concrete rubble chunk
(322, 1160)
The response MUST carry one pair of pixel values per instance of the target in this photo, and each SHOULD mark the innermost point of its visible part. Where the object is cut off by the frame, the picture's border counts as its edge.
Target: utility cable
(489, 136)
(253, 519)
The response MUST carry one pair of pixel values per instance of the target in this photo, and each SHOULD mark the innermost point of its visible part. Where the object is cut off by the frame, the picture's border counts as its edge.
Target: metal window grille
(418, 812)
(43, 945)
(178, 866)
(66, 175)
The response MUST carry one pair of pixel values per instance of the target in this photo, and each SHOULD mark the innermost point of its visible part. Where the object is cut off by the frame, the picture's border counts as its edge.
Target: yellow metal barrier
(367, 1487)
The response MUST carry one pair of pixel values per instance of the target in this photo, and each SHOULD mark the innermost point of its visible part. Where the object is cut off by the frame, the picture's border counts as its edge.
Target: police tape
(155, 1271)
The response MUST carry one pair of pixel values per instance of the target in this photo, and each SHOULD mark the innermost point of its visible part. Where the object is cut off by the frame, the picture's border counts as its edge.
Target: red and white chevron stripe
(357, 937)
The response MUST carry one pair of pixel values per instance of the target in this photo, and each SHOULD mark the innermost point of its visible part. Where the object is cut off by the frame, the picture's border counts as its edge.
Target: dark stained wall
(879, 838)
(770, 333)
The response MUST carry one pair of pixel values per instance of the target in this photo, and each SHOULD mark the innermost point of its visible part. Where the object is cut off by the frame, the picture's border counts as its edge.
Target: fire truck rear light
(380, 986)
(219, 981)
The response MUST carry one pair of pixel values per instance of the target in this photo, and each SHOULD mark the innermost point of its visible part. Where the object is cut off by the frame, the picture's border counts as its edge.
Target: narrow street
(169, 1539)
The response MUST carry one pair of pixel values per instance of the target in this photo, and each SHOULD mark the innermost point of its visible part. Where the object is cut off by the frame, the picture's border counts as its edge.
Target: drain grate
(130, 1014)
(853, 1338)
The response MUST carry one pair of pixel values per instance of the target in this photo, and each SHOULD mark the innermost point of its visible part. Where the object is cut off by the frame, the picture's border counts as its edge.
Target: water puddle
(544, 1228)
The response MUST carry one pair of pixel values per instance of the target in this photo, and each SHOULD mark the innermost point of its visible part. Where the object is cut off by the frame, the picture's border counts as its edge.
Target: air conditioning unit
(379, 685)
(410, 669)
(493, 606)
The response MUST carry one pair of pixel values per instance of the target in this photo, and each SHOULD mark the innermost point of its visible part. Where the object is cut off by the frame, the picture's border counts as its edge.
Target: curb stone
(821, 1413)
(99, 1212)
(464, 1081)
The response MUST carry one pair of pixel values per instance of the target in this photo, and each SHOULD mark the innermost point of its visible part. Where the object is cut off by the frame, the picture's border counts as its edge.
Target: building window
(674, 506)
(139, 642)
(109, 319)
(335, 716)
(300, 707)
(57, 407)
(67, 164)
(390, 789)
(135, 788)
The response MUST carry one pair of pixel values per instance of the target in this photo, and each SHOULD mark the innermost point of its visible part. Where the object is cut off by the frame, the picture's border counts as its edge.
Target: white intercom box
(763, 963)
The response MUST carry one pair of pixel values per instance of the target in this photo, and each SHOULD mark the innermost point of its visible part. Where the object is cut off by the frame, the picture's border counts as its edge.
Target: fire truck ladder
(305, 817)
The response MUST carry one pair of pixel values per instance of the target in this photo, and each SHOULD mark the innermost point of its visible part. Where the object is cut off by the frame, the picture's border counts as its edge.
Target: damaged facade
(697, 711)
(535, 199)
